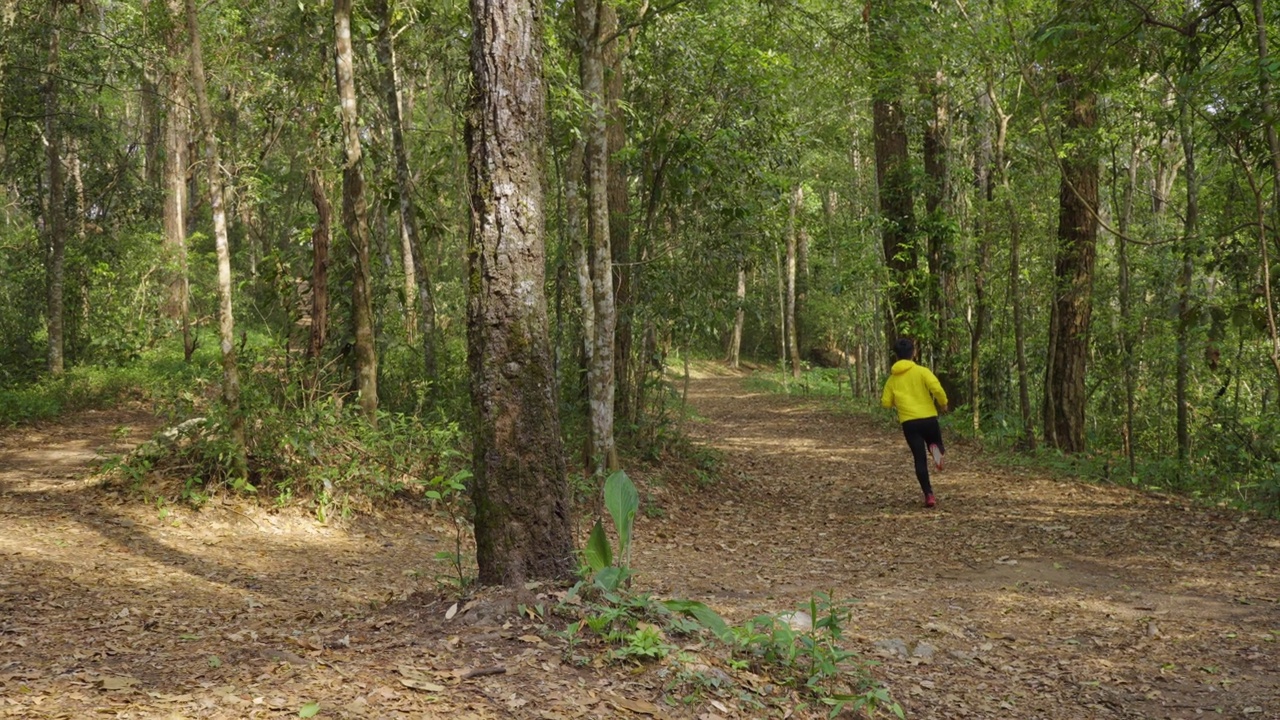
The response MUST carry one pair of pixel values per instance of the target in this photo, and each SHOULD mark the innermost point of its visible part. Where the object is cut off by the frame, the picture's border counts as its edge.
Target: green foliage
(609, 569)
(303, 446)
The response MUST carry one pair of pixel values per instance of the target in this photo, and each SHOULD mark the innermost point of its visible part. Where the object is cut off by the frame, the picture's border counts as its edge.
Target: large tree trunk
(226, 323)
(420, 317)
(522, 510)
(601, 371)
(1064, 397)
(56, 213)
(320, 239)
(893, 175)
(355, 215)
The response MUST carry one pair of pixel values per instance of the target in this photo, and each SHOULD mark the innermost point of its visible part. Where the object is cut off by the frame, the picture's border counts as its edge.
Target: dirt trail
(1034, 598)
(1018, 597)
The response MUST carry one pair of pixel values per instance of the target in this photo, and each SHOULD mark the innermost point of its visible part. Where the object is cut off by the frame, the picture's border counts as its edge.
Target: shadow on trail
(1058, 598)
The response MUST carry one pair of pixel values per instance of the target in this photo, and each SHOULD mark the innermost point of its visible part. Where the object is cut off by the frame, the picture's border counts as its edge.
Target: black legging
(920, 435)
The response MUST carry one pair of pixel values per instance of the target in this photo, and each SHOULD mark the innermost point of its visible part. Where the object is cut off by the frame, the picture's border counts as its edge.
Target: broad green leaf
(622, 501)
(599, 554)
(707, 617)
(309, 710)
(611, 578)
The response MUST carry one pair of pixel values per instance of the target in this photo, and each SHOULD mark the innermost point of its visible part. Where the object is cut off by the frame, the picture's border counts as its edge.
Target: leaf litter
(1019, 596)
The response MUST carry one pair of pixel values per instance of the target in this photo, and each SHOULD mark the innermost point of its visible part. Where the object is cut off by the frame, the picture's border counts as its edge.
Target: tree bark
(739, 318)
(893, 176)
(984, 183)
(793, 337)
(420, 317)
(893, 172)
(320, 241)
(1190, 243)
(176, 131)
(581, 256)
(1125, 291)
(522, 511)
(355, 215)
(619, 216)
(937, 189)
(56, 213)
(226, 322)
(1065, 397)
(601, 371)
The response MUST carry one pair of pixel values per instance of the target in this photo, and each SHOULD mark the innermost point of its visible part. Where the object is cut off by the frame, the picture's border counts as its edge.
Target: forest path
(1018, 597)
(1032, 597)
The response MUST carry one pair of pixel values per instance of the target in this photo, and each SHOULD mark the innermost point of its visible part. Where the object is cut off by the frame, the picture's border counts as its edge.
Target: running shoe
(929, 500)
(936, 452)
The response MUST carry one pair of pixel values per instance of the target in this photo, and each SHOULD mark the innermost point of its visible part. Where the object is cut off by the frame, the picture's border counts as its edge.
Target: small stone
(892, 648)
(924, 651)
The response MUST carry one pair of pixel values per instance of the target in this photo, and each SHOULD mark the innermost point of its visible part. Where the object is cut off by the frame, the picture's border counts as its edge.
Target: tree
(893, 176)
(520, 489)
(591, 16)
(417, 276)
(226, 322)
(355, 215)
(56, 214)
(1077, 235)
(176, 129)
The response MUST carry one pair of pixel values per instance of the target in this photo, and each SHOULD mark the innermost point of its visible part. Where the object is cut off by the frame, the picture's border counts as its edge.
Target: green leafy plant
(611, 570)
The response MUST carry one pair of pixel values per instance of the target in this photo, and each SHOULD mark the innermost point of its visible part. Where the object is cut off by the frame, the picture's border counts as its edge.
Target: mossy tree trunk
(522, 508)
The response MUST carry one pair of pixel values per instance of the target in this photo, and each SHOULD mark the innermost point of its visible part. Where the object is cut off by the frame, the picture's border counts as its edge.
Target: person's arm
(935, 389)
(886, 398)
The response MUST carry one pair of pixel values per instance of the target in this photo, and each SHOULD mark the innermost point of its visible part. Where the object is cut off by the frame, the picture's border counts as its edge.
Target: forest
(352, 253)
(1070, 206)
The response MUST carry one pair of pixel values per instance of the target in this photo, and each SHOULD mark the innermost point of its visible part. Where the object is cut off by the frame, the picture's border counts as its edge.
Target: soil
(1019, 596)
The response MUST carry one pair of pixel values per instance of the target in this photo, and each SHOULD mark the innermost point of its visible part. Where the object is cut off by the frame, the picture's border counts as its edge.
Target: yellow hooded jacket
(912, 389)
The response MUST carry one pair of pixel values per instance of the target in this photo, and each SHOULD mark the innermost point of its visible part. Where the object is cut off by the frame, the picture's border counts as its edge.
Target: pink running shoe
(929, 500)
(936, 452)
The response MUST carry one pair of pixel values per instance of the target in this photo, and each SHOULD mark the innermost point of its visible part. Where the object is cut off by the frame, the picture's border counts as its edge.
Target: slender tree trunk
(739, 318)
(226, 323)
(320, 240)
(985, 165)
(619, 215)
(936, 192)
(1001, 169)
(578, 247)
(523, 525)
(1077, 234)
(176, 132)
(783, 331)
(355, 215)
(56, 214)
(1190, 243)
(1126, 309)
(420, 317)
(793, 337)
(601, 371)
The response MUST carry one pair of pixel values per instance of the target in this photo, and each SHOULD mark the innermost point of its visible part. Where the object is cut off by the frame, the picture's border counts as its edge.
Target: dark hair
(904, 349)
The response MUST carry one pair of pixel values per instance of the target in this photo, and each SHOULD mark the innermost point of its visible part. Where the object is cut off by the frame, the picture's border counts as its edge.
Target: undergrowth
(795, 660)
